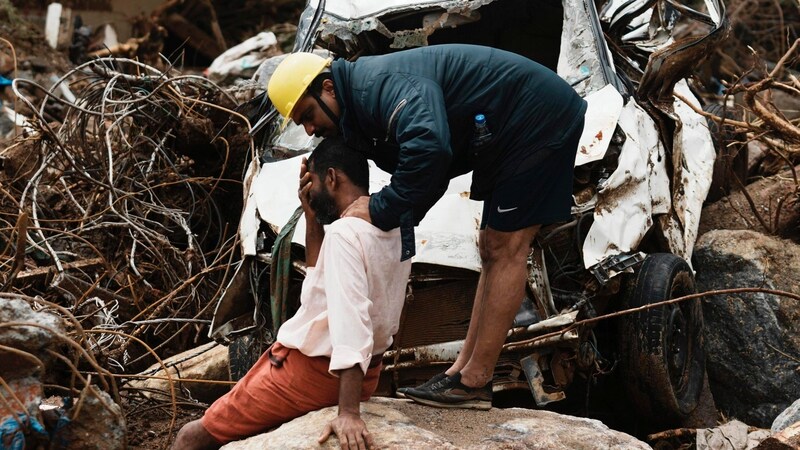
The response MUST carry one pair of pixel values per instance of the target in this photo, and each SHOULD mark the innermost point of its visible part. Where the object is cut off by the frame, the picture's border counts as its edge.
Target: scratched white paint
(601, 118)
(446, 236)
(694, 157)
(352, 10)
(623, 212)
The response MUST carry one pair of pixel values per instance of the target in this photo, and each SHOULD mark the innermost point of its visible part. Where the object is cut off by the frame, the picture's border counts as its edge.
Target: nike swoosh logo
(501, 210)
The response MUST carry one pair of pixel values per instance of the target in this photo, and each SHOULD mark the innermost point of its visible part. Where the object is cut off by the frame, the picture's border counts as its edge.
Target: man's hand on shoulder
(359, 208)
(351, 431)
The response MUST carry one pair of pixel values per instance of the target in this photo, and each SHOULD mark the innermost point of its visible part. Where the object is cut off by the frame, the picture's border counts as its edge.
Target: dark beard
(324, 207)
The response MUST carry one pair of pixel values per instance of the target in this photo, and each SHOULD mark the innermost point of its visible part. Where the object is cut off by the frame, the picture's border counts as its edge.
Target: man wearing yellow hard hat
(427, 115)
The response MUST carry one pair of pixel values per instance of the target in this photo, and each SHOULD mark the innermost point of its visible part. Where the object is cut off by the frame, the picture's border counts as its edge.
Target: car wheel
(662, 355)
(731, 152)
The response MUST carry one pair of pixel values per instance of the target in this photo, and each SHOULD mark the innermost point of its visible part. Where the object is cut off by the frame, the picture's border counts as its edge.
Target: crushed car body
(643, 168)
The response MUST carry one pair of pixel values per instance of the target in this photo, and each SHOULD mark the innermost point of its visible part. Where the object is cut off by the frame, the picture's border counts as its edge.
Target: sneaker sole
(400, 394)
(482, 405)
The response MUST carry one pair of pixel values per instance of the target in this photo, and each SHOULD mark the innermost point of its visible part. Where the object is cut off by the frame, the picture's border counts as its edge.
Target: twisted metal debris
(126, 212)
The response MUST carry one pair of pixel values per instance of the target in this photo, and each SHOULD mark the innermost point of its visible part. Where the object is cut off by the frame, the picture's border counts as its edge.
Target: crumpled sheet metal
(250, 221)
(346, 19)
(639, 188)
(578, 62)
(600, 121)
(693, 157)
(625, 203)
(448, 235)
(357, 10)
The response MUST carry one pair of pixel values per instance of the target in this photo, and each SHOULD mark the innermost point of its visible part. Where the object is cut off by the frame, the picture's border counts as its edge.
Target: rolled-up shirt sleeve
(349, 318)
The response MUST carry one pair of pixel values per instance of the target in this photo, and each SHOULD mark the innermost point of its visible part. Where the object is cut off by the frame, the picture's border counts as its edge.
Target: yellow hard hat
(291, 79)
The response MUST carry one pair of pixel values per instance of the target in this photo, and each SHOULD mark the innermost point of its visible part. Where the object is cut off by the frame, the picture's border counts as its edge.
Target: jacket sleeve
(421, 130)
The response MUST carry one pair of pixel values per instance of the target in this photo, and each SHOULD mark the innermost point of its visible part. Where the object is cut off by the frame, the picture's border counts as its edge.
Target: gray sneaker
(450, 393)
(401, 392)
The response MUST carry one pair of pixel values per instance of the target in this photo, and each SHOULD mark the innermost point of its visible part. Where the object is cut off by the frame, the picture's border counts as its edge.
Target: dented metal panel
(346, 19)
(352, 10)
(623, 212)
(579, 61)
(447, 236)
(602, 113)
(693, 161)
(250, 222)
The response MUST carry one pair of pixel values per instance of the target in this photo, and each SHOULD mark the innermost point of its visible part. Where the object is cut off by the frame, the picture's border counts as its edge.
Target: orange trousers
(282, 385)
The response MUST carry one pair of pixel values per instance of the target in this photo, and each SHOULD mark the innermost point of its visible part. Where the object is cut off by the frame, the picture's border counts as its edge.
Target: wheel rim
(677, 347)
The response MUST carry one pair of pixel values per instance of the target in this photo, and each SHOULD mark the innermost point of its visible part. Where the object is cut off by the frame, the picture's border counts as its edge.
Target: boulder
(31, 339)
(402, 424)
(750, 337)
(24, 357)
(97, 423)
(789, 416)
(734, 212)
(207, 362)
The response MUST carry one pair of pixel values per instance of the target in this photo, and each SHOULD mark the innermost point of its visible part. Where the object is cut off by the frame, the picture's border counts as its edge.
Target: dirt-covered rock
(776, 204)
(25, 337)
(97, 423)
(788, 417)
(402, 424)
(750, 338)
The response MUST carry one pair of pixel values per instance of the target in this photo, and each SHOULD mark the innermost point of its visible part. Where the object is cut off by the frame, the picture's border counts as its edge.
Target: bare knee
(498, 246)
(193, 436)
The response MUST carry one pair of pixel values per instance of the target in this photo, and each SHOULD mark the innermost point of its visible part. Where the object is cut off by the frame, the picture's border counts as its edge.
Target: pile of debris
(123, 212)
(756, 73)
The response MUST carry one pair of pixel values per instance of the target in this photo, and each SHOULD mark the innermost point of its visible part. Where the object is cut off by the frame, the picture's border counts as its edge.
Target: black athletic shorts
(540, 195)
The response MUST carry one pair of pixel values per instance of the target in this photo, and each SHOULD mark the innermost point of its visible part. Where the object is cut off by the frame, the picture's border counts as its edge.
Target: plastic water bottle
(482, 134)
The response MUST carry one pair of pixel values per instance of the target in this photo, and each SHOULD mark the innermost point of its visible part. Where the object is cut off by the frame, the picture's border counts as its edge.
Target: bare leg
(504, 270)
(472, 331)
(193, 436)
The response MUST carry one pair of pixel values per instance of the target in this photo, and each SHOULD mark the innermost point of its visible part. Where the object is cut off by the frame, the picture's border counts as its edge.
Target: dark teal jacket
(412, 112)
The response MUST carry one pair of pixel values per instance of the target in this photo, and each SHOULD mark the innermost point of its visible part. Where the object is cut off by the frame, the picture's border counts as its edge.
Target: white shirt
(352, 299)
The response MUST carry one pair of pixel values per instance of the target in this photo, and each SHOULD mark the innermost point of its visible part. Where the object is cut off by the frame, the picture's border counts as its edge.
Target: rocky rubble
(31, 342)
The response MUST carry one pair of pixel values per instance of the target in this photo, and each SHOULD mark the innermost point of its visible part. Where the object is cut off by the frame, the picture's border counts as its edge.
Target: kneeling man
(330, 351)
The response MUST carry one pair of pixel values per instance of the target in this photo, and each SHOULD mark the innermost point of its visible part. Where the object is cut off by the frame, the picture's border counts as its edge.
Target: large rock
(750, 337)
(32, 339)
(734, 212)
(789, 416)
(97, 423)
(401, 424)
(24, 357)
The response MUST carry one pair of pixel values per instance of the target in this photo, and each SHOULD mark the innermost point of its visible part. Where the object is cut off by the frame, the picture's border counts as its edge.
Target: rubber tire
(663, 381)
(731, 160)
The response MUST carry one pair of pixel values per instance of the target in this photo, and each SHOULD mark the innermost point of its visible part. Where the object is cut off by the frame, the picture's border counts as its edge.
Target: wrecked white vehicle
(643, 169)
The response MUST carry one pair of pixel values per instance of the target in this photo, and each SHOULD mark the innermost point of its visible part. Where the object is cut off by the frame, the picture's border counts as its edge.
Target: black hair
(334, 153)
(316, 84)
